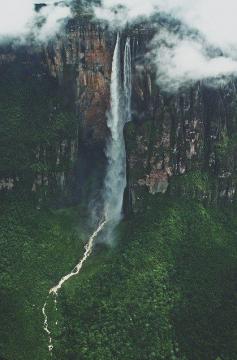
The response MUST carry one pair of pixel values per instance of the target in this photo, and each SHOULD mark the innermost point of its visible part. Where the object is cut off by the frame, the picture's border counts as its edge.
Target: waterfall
(120, 112)
(127, 80)
(115, 179)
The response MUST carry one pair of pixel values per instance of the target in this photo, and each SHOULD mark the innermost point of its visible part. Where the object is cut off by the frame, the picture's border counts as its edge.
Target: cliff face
(183, 143)
(38, 129)
(82, 62)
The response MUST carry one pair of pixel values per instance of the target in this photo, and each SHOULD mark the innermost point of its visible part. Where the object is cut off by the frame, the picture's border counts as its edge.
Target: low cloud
(120, 12)
(181, 61)
(53, 18)
(180, 57)
(19, 20)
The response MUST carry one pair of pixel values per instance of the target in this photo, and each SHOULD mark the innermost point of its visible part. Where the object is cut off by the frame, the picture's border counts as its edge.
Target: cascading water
(127, 83)
(115, 180)
(78, 267)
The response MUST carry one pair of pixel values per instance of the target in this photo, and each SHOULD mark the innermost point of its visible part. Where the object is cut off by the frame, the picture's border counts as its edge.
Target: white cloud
(183, 59)
(216, 19)
(119, 12)
(54, 17)
(18, 19)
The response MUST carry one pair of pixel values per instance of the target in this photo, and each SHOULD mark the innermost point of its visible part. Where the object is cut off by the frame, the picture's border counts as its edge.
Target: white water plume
(127, 83)
(115, 179)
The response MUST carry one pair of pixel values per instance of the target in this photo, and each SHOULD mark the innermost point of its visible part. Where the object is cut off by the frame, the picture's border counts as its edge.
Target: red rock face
(86, 55)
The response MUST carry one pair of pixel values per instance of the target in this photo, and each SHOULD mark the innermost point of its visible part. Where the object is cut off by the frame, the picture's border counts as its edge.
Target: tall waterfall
(127, 80)
(115, 180)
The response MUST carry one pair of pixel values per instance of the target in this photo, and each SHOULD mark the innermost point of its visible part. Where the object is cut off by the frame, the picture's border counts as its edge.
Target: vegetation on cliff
(35, 120)
(166, 291)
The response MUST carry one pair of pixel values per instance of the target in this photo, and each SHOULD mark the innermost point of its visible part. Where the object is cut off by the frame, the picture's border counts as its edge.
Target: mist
(19, 20)
(183, 60)
(204, 47)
